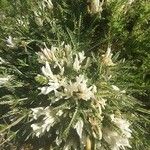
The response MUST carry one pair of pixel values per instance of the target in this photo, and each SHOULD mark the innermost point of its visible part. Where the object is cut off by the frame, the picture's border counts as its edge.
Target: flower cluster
(115, 139)
(59, 83)
(76, 86)
(81, 99)
(67, 84)
(49, 119)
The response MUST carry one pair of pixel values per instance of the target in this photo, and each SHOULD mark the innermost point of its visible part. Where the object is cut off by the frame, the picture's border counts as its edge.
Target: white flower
(55, 81)
(37, 129)
(117, 89)
(84, 92)
(107, 58)
(95, 6)
(80, 89)
(49, 119)
(102, 102)
(67, 48)
(79, 127)
(47, 122)
(81, 56)
(69, 89)
(48, 72)
(4, 80)
(68, 55)
(37, 112)
(78, 60)
(47, 89)
(10, 42)
(115, 140)
(76, 64)
(47, 54)
(122, 124)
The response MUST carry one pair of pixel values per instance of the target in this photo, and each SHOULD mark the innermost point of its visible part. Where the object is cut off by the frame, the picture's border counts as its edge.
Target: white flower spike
(106, 58)
(78, 60)
(122, 124)
(47, 122)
